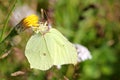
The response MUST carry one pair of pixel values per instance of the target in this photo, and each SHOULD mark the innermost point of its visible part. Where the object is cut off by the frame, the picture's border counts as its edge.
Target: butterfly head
(42, 28)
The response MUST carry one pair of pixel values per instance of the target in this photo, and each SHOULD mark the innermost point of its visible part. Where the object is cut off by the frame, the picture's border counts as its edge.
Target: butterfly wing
(37, 53)
(61, 50)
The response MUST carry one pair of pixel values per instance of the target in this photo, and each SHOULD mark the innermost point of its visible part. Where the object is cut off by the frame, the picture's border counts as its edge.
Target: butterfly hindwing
(37, 53)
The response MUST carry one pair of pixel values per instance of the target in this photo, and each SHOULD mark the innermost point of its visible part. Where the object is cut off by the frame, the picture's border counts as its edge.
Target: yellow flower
(31, 21)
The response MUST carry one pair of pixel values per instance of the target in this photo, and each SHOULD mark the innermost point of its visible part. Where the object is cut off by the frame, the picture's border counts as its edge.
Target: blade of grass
(6, 21)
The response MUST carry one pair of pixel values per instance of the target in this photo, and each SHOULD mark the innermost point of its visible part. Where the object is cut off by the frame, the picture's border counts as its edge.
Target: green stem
(12, 33)
(6, 21)
(70, 71)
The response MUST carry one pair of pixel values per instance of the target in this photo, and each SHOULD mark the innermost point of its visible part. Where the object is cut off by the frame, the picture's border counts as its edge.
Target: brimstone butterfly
(48, 47)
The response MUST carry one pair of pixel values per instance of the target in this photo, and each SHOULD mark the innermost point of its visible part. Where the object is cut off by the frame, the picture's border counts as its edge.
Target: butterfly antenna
(44, 15)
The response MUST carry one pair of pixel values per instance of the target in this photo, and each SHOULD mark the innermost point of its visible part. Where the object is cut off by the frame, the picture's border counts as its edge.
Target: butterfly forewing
(61, 50)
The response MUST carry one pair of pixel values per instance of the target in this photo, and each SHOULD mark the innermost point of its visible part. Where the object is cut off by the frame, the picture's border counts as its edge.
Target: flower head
(20, 13)
(31, 21)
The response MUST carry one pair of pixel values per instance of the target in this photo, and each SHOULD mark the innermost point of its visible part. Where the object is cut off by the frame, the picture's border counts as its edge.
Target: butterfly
(48, 47)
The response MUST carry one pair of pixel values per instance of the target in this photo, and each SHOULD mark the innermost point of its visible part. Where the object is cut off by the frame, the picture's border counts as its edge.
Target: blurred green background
(92, 23)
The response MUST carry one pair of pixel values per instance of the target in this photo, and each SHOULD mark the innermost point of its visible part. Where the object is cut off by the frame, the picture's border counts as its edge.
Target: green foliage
(93, 23)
